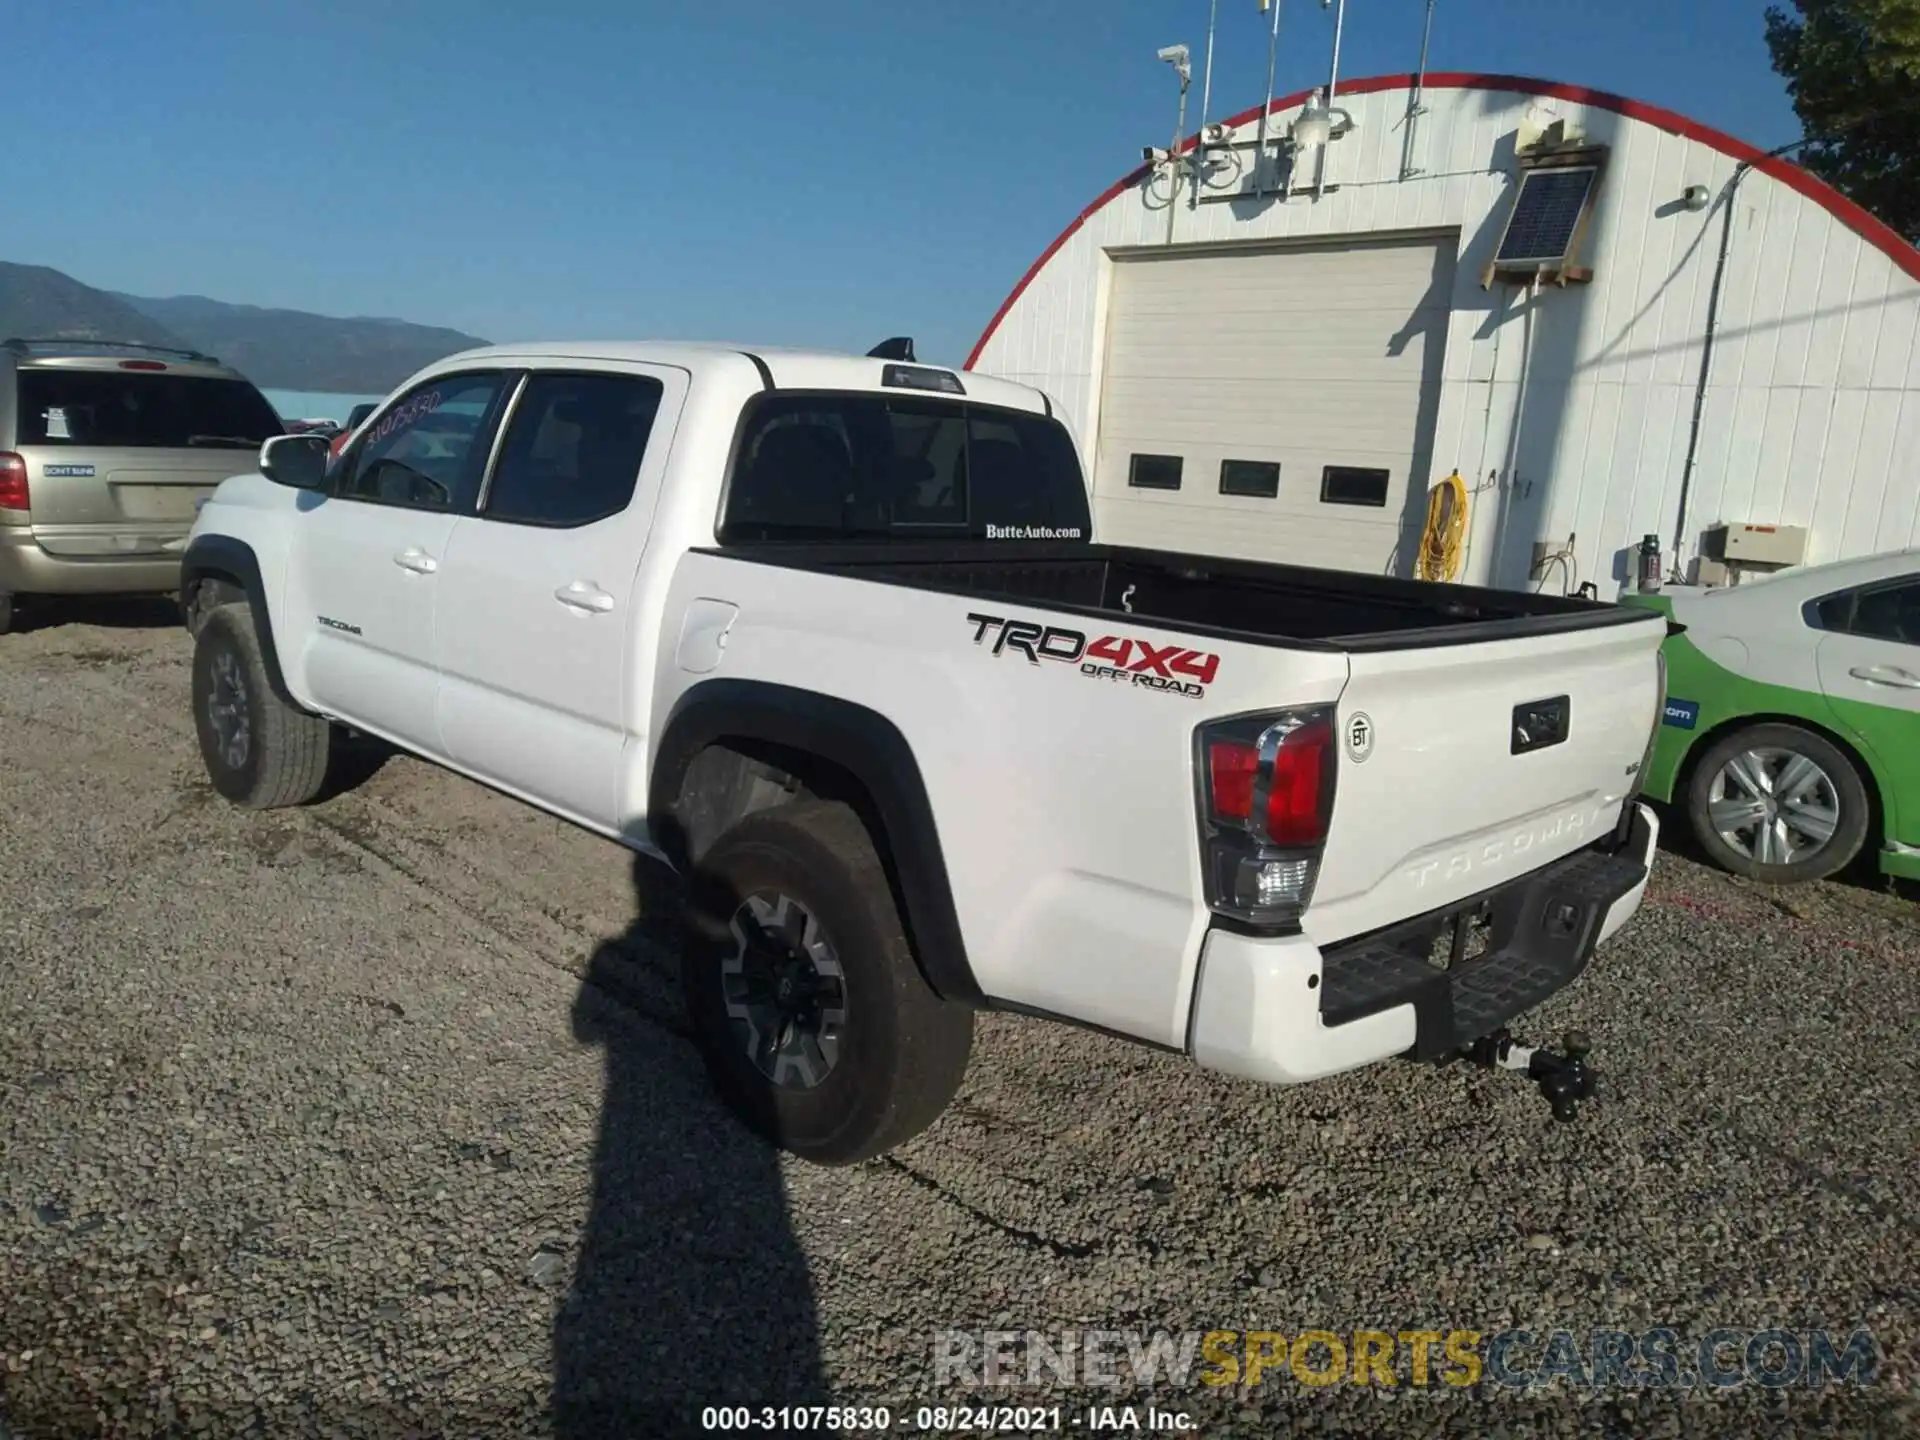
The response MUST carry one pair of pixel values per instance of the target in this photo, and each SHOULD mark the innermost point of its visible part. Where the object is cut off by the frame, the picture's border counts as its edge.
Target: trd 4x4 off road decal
(1170, 668)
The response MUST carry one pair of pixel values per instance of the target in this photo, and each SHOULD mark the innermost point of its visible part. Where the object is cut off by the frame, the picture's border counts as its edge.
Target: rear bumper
(27, 569)
(1282, 1010)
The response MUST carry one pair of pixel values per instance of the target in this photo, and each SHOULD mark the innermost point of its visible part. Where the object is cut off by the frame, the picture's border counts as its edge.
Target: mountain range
(276, 349)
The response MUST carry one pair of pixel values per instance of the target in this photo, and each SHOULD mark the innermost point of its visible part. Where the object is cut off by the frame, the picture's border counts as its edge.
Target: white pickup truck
(832, 636)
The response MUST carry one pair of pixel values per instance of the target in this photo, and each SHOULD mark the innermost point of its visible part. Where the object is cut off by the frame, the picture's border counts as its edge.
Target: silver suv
(105, 451)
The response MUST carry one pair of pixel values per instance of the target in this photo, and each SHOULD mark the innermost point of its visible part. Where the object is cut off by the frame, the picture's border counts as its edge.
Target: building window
(1256, 479)
(1154, 472)
(1353, 485)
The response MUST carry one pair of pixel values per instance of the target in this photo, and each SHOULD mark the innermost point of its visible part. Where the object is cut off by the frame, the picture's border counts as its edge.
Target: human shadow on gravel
(689, 1288)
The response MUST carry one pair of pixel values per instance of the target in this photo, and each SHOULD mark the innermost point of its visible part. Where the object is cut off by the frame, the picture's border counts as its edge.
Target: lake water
(315, 404)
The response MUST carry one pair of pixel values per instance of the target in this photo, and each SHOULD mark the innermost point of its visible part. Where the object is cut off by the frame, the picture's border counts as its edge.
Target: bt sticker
(1359, 735)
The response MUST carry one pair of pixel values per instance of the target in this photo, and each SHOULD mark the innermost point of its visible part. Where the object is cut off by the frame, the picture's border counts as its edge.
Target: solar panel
(1545, 213)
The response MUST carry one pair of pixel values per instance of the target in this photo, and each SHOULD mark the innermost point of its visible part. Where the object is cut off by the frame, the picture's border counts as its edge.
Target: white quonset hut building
(1258, 371)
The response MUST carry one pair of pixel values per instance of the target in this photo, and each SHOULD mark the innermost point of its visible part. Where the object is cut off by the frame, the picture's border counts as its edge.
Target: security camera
(1153, 154)
(1176, 56)
(1215, 134)
(1695, 197)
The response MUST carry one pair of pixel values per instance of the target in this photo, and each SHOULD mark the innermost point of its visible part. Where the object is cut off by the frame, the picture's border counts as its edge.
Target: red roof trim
(1875, 232)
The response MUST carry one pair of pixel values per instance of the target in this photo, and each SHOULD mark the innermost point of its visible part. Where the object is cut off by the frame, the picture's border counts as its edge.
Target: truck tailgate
(1466, 766)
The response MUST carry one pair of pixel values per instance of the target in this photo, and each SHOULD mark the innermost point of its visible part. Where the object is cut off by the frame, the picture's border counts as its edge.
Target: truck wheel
(207, 597)
(1778, 804)
(816, 1024)
(260, 752)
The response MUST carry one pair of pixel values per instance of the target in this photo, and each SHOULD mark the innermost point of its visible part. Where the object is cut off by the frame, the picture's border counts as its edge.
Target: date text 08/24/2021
(947, 1419)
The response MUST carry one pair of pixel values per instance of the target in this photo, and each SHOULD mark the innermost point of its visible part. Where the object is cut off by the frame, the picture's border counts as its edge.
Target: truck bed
(1274, 604)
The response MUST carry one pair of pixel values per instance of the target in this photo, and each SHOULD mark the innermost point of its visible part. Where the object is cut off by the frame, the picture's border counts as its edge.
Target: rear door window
(142, 410)
(1875, 612)
(833, 467)
(1890, 613)
(573, 449)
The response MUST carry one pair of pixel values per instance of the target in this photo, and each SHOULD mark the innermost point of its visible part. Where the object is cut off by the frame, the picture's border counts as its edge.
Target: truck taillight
(1284, 792)
(13, 483)
(1266, 798)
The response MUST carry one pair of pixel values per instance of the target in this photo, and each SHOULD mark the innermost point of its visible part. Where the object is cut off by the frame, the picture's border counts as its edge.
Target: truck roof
(791, 369)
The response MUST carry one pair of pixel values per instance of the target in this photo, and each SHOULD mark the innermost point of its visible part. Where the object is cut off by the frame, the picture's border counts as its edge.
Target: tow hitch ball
(1563, 1076)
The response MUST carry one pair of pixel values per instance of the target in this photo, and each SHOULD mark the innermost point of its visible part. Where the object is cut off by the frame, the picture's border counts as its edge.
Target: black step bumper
(1542, 931)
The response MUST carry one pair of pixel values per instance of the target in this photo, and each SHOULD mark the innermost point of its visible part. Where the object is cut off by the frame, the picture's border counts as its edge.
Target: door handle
(584, 595)
(417, 560)
(1886, 675)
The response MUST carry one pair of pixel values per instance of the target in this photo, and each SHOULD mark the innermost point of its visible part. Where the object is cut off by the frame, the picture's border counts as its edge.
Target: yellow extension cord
(1444, 539)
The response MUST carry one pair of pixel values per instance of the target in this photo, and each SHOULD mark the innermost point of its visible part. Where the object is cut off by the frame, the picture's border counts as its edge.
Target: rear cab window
(833, 467)
(141, 410)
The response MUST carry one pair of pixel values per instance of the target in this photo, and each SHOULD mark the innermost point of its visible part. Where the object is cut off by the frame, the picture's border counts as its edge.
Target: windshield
(828, 467)
(142, 410)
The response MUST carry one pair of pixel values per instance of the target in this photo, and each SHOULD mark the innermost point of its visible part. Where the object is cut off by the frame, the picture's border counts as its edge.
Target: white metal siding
(1314, 355)
(1812, 414)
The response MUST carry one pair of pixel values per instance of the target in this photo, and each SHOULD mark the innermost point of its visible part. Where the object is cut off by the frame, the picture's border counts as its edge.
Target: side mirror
(296, 461)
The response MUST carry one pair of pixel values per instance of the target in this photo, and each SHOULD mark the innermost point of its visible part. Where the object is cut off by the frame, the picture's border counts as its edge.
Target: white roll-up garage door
(1274, 403)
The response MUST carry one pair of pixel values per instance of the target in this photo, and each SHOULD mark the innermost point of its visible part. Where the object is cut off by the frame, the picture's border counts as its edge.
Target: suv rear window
(141, 409)
(827, 467)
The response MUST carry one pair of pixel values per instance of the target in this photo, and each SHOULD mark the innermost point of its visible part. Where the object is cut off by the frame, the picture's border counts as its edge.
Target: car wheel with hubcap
(1778, 804)
(817, 1026)
(260, 752)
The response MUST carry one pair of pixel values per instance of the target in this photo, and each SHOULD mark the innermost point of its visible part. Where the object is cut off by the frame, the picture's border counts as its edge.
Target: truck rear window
(826, 467)
(142, 410)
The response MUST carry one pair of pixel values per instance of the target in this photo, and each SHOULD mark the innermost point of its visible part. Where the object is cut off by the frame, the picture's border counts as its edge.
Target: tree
(1853, 70)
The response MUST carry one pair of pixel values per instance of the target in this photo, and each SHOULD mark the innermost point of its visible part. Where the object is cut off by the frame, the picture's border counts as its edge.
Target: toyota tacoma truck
(833, 637)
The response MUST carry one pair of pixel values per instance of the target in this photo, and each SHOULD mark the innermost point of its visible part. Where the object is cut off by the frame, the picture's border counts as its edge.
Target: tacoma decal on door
(1174, 669)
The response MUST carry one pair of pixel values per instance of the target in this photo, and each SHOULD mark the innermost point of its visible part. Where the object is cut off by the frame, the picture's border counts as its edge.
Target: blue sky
(821, 172)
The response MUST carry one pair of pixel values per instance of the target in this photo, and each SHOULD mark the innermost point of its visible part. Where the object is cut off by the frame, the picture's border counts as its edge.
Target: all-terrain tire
(902, 1050)
(1842, 785)
(260, 752)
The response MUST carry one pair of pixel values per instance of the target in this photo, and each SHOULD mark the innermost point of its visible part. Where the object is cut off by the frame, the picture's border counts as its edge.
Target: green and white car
(1792, 729)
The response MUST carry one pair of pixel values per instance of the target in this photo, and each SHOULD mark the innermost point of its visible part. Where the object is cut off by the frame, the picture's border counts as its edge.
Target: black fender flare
(221, 557)
(866, 746)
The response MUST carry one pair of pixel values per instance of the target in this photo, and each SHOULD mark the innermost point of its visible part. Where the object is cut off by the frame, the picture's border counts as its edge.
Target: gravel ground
(379, 1118)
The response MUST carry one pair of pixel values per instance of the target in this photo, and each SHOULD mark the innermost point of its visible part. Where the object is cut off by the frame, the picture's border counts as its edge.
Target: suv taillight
(1266, 796)
(13, 483)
